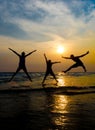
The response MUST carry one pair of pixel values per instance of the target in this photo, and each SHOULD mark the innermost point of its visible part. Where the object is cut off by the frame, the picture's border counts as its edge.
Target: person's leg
(84, 68)
(18, 69)
(54, 76)
(73, 66)
(46, 74)
(25, 70)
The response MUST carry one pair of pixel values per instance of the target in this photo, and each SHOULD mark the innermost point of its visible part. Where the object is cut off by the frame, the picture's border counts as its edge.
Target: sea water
(67, 105)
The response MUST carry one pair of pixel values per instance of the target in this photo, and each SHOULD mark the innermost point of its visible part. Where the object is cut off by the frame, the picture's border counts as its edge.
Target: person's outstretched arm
(66, 57)
(14, 51)
(45, 57)
(56, 62)
(30, 53)
(84, 54)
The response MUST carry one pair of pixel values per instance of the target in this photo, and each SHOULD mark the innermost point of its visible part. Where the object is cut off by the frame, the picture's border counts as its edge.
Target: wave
(68, 84)
(74, 90)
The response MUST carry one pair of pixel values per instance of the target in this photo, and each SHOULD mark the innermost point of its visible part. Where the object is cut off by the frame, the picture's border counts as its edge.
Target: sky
(44, 25)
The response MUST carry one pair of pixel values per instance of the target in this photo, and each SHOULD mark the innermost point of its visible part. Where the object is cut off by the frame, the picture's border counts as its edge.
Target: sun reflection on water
(60, 103)
(59, 109)
(61, 80)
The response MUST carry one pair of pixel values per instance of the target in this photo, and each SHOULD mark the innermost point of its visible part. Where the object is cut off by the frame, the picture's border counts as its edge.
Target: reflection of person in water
(49, 69)
(77, 60)
(21, 63)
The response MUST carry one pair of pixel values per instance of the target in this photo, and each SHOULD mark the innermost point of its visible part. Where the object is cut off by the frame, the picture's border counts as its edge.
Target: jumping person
(49, 69)
(77, 60)
(22, 66)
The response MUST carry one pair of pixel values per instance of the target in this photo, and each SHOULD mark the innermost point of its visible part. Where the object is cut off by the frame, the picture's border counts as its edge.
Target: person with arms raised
(21, 65)
(49, 70)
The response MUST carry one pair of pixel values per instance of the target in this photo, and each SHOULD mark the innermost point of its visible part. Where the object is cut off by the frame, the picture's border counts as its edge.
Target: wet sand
(47, 111)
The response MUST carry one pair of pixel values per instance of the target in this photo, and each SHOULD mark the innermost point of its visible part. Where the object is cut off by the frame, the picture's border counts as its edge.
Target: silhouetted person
(49, 69)
(21, 63)
(77, 60)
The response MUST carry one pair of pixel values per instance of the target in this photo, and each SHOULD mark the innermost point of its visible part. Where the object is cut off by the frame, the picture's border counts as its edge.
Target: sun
(60, 49)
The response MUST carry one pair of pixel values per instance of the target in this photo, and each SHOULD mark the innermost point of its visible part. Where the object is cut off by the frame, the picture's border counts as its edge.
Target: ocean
(67, 105)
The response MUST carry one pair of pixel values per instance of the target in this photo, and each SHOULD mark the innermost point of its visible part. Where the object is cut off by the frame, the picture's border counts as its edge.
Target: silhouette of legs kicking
(74, 66)
(83, 68)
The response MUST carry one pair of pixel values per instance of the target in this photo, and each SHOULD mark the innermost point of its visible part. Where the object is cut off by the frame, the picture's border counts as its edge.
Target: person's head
(49, 61)
(23, 53)
(71, 56)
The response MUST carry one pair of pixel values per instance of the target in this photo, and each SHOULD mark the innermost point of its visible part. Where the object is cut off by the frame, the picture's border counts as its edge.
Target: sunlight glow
(61, 82)
(60, 103)
(60, 49)
(59, 107)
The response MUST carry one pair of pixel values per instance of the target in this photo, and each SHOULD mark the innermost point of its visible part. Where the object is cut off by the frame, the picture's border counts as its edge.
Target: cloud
(34, 19)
